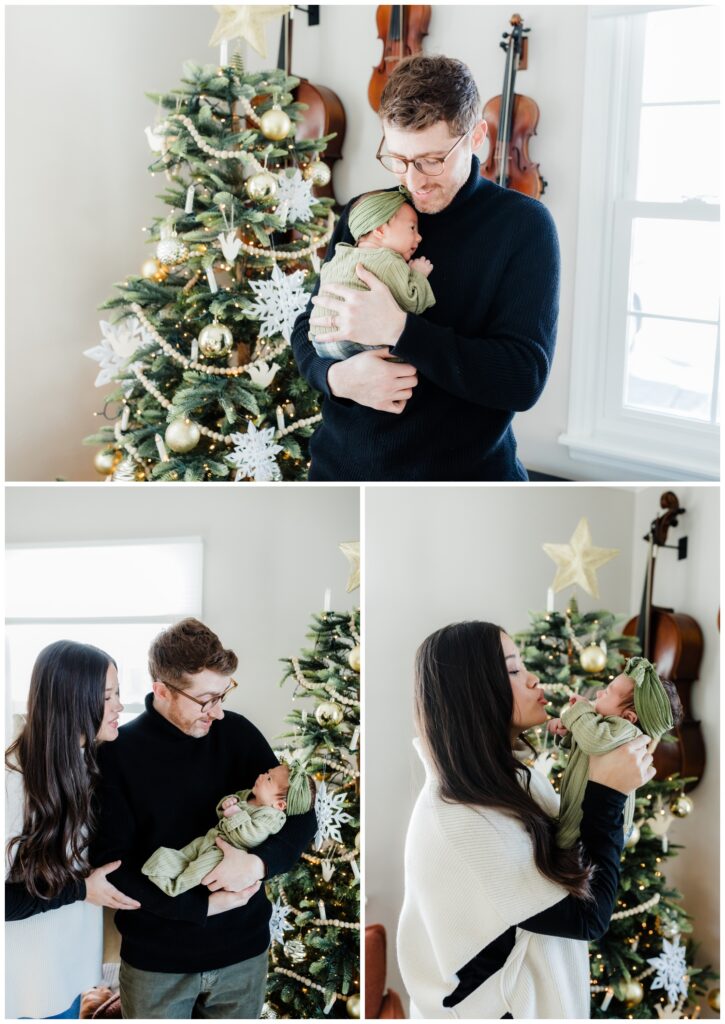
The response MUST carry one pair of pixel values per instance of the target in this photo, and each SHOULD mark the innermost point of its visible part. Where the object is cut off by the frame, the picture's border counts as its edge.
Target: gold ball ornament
(215, 340)
(633, 993)
(353, 1006)
(182, 435)
(262, 185)
(329, 713)
(682, 806)
(105, 461)
(593, 659)
(151, 268)
(633, 837)
(354, 658)
(317, 172)
(295, 951)
(275, 124)
(139, 474)
(713, 999)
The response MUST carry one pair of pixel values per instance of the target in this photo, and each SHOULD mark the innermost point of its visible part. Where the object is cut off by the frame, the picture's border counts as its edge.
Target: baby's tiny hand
(230, 805)
(555, 727)
(575, 698)
(422, 264)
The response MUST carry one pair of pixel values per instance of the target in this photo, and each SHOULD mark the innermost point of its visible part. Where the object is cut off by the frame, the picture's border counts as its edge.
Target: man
(203, 953)
(443, 409)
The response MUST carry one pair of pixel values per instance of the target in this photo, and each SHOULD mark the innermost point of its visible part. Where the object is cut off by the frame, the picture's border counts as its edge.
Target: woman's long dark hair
(65, 708)
(464, 708)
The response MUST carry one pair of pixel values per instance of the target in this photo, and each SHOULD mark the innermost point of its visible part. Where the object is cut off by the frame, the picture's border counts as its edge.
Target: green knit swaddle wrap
(299, 795)
(651, 702)
(373, 211)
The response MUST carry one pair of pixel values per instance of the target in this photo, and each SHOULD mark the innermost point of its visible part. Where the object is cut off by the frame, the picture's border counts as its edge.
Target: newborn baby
(385, 228)
(635, 697)
(246, 819)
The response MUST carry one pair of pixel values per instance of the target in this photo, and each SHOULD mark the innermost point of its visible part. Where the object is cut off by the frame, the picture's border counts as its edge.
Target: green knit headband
(299, 795)
(650, 697)
(374, 210)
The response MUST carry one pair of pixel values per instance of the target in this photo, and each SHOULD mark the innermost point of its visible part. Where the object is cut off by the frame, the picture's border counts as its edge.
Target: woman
(73, 705)
(495, 917)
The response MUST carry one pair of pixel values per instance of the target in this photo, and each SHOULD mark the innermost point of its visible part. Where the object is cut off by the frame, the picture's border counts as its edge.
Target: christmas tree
(198, 345)
(315, 927)
(641, 967)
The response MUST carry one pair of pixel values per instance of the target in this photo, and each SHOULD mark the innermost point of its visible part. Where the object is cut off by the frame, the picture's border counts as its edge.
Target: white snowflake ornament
(280, 300)
(330, 815)
(297, 194)
(671, 969)
(278, 923)
(119, 342)
(254, 454)
(263, 374)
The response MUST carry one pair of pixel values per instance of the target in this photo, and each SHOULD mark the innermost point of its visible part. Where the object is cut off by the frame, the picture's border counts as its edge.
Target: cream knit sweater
(470, 875)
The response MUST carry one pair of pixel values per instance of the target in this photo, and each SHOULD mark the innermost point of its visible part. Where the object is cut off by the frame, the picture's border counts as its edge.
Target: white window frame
(639, 443)
(164, 618)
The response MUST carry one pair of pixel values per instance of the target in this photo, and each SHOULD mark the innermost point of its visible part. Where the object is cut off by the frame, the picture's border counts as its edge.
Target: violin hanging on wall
(401, 27)
(512, 119)
(673, 642)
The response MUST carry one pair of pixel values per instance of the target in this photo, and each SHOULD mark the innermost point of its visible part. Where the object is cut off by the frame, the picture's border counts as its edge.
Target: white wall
(692, 586)
(79, 192)
(434, 556)
(269, 555)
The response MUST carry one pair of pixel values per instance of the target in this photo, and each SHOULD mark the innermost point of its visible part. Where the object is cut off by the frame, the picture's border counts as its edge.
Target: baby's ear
(631, 715)
(280, 803)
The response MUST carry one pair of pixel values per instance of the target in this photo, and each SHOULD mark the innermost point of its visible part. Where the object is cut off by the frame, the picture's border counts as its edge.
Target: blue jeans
(235, 992)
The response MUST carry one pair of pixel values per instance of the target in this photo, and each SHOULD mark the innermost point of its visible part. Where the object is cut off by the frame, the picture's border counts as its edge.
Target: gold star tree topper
(246, 21)
(577, 561)
(351, 551)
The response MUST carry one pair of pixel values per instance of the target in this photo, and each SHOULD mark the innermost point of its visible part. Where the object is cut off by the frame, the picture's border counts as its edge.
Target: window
(116, 595)
(646, 350)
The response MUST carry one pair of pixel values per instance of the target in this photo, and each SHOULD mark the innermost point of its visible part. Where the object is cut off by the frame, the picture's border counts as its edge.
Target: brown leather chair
(380, 1004)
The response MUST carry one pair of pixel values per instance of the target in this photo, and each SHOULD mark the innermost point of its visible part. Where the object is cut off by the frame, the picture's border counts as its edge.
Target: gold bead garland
(344, 858)
(274, 254)
(221, 154)
(308, 981)
(340, 767)
(327, 687)
(633, 911)
(220, 371)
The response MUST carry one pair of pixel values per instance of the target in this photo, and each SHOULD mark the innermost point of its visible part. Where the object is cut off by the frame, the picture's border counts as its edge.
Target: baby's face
(616, 697)
(271, 787)
(401, 232)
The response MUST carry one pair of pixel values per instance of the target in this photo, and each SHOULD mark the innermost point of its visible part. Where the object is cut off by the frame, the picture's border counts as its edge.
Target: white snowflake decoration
(119, 342)
(278, 923)
(296, 192)
(280, 300)
(671, 968)
(330, 815)
(254, 454)
(263, 374)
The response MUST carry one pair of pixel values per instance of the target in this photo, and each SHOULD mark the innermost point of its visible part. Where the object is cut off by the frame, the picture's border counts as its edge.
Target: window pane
(675, 268)
(126, 643)
(681, 56)
(679, 154)
(104, 580)
(670, 367)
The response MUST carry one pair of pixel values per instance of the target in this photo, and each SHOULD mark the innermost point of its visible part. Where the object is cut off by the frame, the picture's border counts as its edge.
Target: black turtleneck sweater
(160, 787)
(482, 353)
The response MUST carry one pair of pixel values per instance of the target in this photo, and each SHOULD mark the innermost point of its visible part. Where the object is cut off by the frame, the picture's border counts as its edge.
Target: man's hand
(237, 871)
(422, 264)
(368, 318)
(374, 380)
(220, 902)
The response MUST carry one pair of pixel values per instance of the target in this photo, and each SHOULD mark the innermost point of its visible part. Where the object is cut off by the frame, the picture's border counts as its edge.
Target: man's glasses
(206, 705)
(431, 165)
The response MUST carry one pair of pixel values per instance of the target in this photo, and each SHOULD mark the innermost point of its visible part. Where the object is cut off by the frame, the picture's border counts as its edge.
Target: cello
(401, 28)
(512, 119)
(673, 642)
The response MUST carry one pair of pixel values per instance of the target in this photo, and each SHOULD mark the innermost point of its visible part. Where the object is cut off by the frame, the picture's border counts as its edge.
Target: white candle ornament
(328, 598)
(189, 205)
(213, 286)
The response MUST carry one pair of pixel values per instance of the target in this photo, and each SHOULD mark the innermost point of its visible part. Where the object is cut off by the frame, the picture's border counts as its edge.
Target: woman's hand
(624, 769)
(100, 891)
